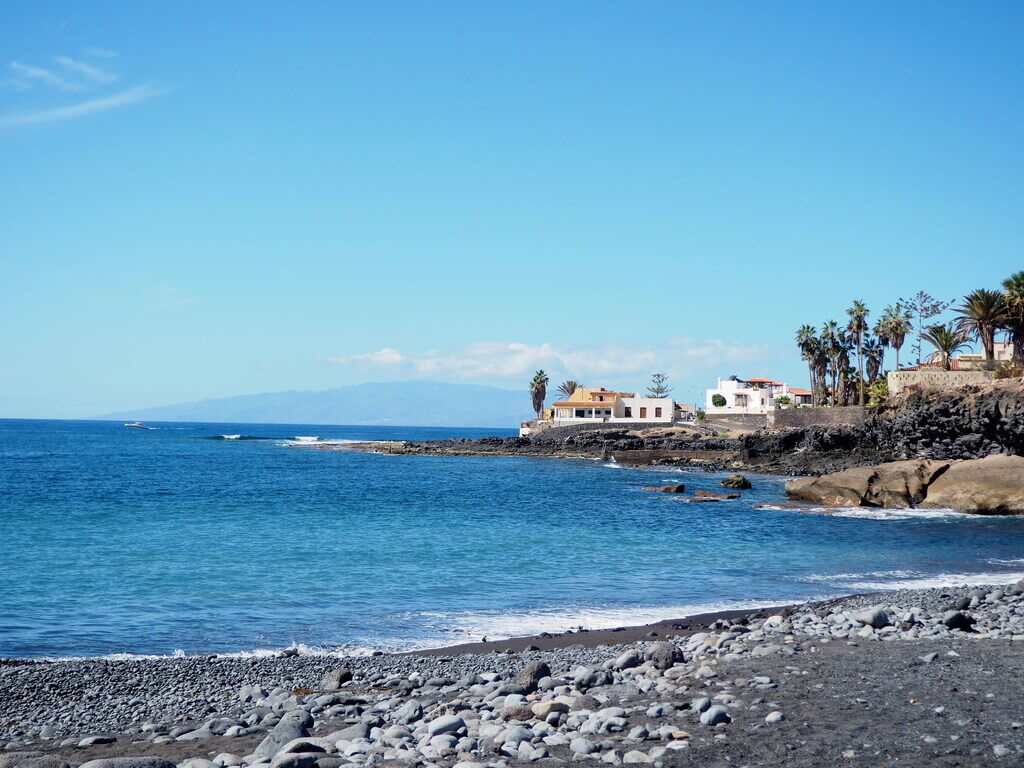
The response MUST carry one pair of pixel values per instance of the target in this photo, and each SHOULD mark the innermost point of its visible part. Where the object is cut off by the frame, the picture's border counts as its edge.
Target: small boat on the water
(137, 425)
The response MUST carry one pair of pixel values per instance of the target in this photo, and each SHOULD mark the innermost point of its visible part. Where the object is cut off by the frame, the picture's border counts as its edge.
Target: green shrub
(718, 401)
(878, 393)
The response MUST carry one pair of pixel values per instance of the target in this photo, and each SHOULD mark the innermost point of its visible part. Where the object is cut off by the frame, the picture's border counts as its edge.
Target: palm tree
(982, 313)
(567, 387)
(896, 320)
(830, 335)
(539, 391)
(820, 366)
(881, 331)
(846, 371)
(858, 326)
(874, 357)
(809, 345)
(947, 340)
(1014, 322)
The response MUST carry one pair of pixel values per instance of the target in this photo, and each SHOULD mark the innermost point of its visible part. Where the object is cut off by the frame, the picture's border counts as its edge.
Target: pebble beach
(916, 677)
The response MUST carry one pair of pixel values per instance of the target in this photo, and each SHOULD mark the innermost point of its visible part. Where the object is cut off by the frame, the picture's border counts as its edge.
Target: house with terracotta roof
(798, 396)
(1002, 354)
(592, 405)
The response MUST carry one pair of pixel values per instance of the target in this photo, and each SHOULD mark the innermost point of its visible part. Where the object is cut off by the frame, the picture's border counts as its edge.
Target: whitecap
(870, 513)
(938, 580)
(500, 625)
(302, 649)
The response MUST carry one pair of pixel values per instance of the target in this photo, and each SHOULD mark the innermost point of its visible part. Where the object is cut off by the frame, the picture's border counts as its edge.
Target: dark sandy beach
(916, 677)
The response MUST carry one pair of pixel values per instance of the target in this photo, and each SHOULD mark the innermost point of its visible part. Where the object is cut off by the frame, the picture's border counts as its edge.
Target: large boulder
(294, 725)
(530, 675)
(675, 488)
(994, 485)
(903, 484)
(661, 654)
(897, 484)
(336, 678)
(736, 482)
(848, 488)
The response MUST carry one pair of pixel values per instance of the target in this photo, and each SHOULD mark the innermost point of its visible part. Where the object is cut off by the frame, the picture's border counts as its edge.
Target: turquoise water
(116, 540)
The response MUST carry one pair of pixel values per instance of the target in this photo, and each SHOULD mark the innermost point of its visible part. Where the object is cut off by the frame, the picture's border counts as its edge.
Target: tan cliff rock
(896, 485)
(994, 485)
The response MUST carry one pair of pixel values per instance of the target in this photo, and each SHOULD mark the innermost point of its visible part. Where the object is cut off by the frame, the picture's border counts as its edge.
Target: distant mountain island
(401, 403)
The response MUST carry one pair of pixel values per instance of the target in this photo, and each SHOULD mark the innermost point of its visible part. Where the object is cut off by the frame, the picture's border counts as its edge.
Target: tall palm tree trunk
(860, 364)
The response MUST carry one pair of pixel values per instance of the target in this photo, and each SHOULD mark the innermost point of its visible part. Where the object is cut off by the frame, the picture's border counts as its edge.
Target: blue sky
(212, 199)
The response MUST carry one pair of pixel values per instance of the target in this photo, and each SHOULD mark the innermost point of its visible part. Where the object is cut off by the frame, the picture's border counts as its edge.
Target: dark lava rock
(679, 488)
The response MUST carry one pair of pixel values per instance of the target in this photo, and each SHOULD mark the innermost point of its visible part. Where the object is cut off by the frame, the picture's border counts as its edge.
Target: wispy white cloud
(30, 73)
(88, 71)
(82, 108)
(506, 361)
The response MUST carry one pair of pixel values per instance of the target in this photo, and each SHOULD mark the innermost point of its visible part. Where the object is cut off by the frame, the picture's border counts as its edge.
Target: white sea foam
(834, 578)
(940, 580)
(316, 442)
(231, 437)
(499, 625)
(257, 653)
(877, 513)
(870, 513)
(886, 581)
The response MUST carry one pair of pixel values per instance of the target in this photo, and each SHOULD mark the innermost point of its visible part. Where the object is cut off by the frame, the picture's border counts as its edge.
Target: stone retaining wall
(934, 380)
(751, 420)
(801, 418)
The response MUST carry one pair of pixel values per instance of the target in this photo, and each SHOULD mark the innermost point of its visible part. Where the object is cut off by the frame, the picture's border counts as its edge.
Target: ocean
(176, 540)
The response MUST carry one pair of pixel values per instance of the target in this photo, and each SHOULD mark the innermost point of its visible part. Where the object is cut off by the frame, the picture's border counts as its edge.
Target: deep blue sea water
(116, 540)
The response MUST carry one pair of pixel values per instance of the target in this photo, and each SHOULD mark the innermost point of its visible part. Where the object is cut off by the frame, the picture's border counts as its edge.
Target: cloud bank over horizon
(612, 365)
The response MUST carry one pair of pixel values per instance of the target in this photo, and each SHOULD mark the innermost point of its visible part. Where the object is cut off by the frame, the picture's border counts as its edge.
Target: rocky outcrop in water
(993, 485)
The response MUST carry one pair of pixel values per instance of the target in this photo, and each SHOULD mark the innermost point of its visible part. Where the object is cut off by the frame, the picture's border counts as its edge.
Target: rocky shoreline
(969, 423)
(918, 676)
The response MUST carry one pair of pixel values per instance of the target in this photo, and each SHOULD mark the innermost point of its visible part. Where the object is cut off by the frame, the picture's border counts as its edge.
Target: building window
(657, 413)
(629, 412)
(643, 412)
(580, 413)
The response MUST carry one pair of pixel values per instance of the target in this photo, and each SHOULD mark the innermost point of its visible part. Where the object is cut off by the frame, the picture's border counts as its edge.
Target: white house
(590, 406)
(756, 396)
